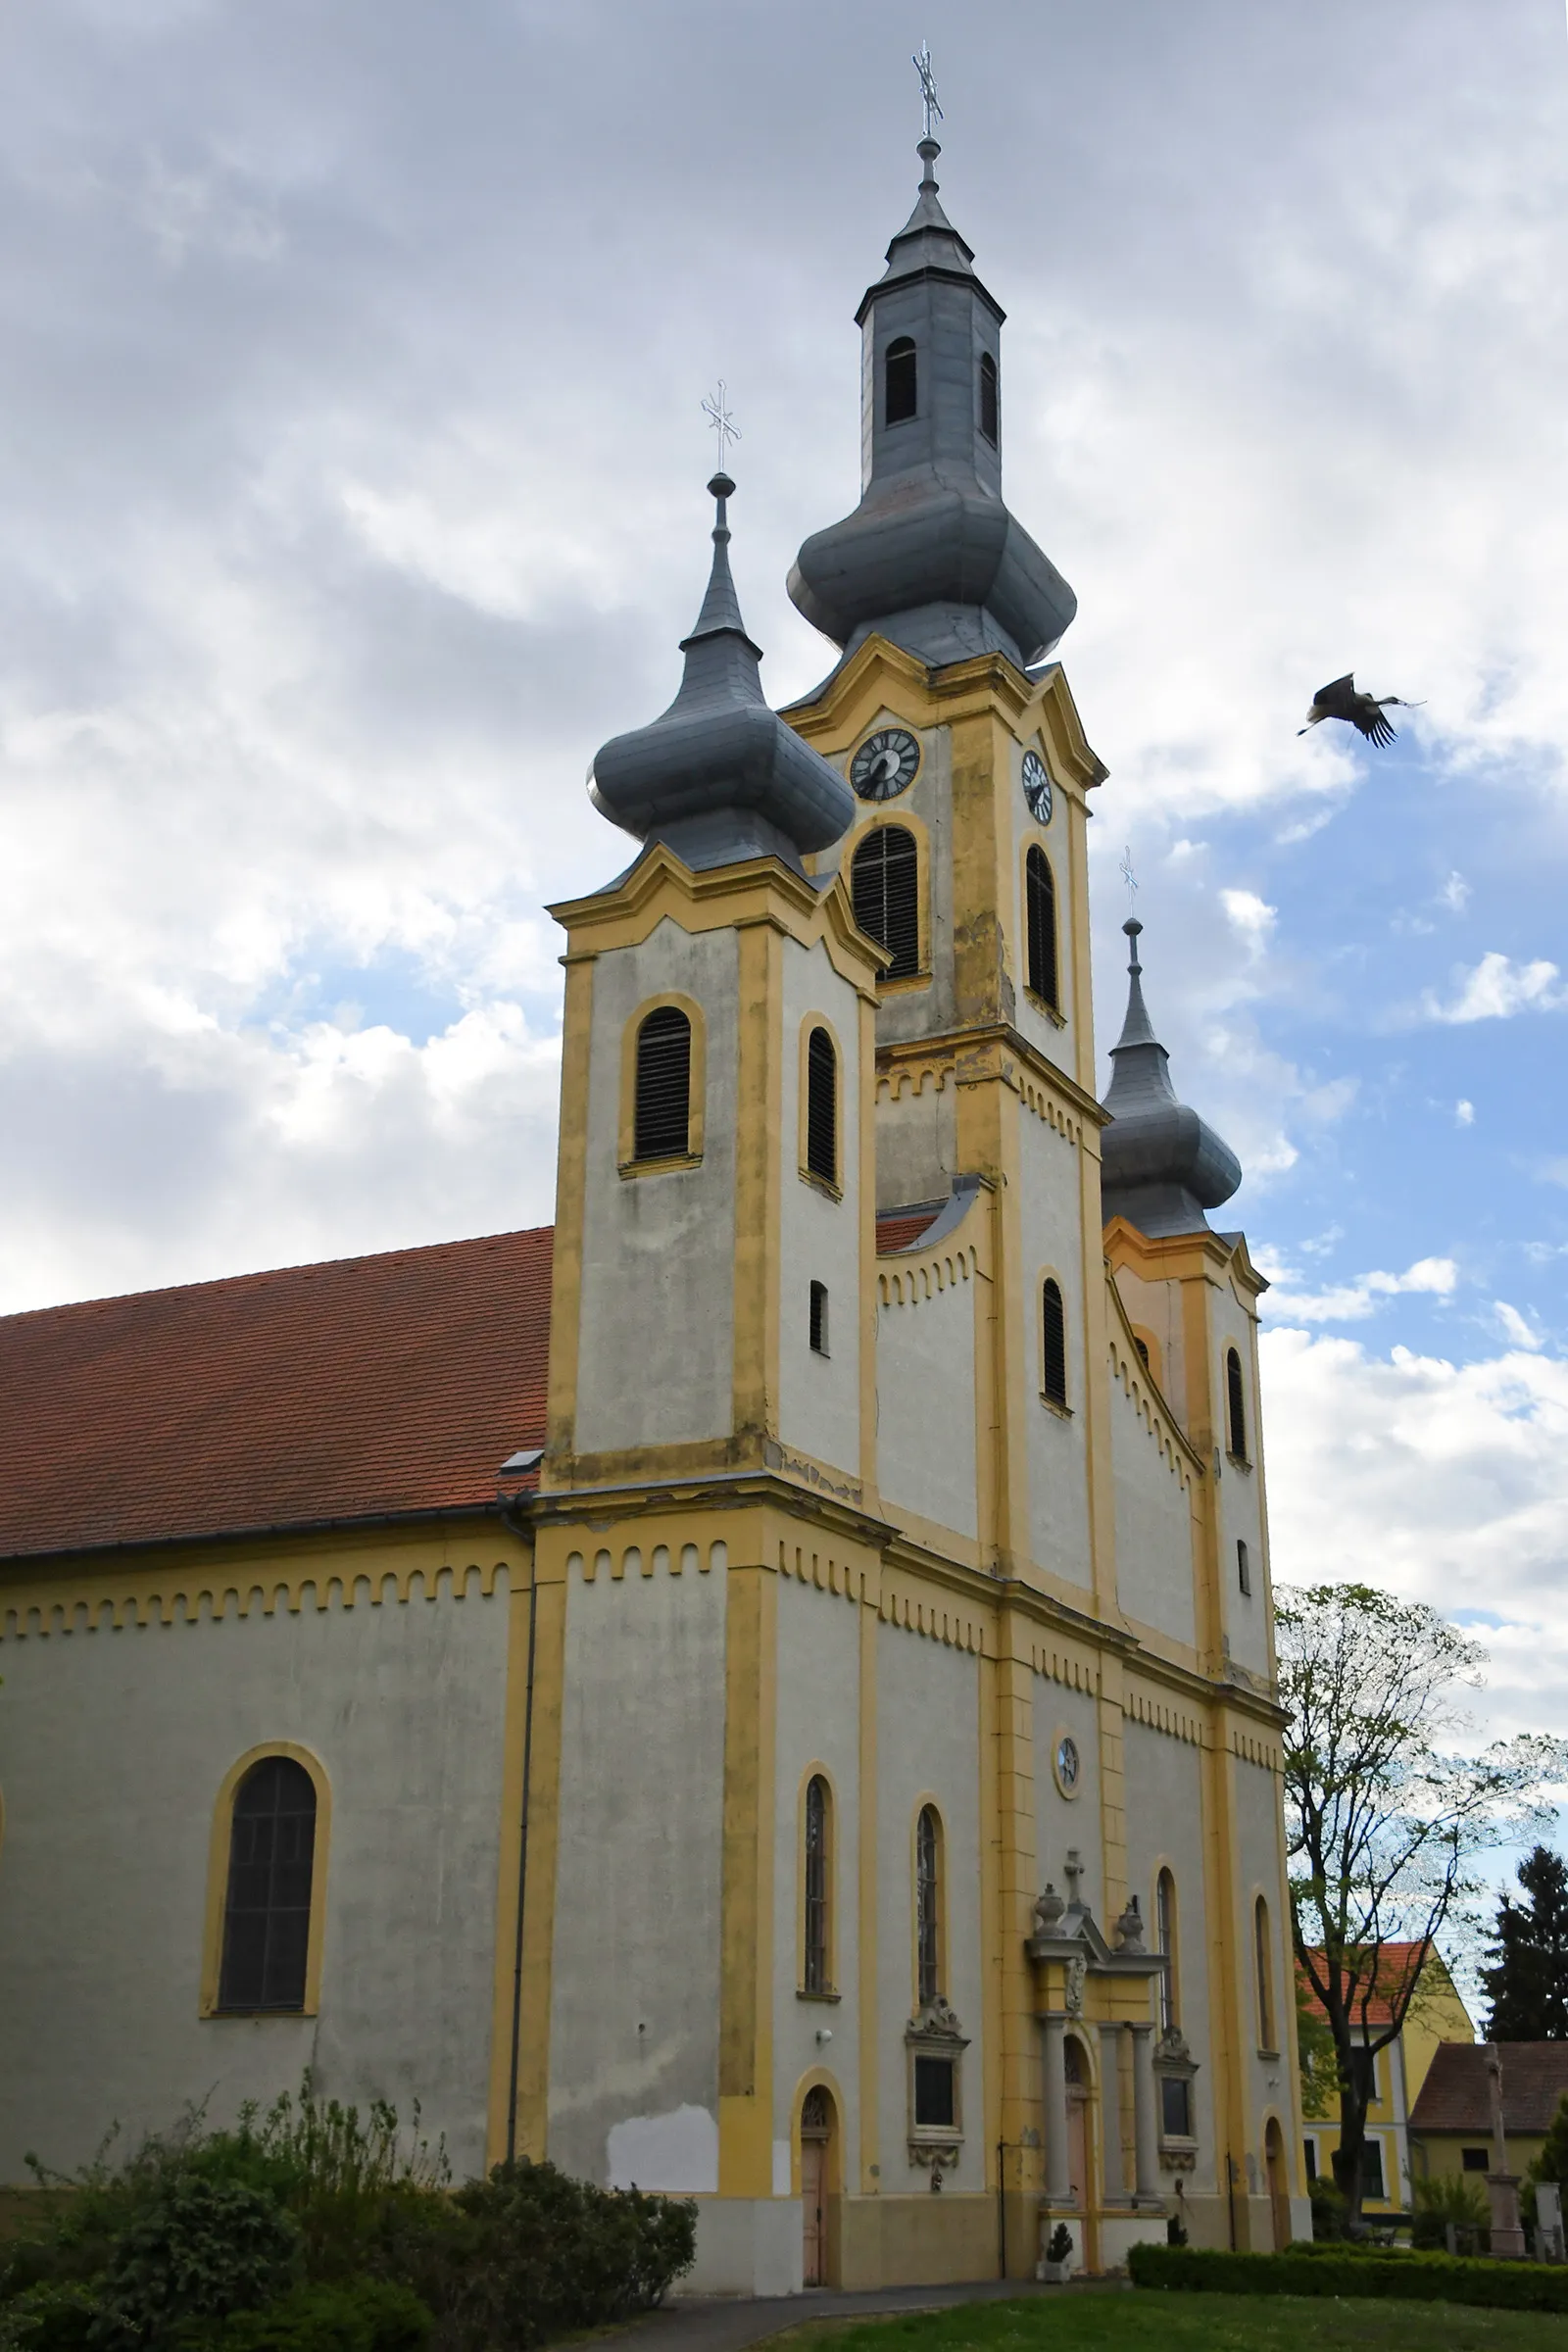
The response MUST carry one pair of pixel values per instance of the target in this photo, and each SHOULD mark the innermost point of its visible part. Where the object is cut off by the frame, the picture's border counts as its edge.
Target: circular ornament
(1037, 788)
(1067, 1765)
(885, 764)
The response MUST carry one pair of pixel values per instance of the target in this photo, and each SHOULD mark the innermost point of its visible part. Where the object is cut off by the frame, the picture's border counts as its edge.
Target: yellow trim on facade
(218, 1858)
(746, 1965)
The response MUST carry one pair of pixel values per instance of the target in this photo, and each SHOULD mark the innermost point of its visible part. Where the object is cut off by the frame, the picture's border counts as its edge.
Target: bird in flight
(1339, 700)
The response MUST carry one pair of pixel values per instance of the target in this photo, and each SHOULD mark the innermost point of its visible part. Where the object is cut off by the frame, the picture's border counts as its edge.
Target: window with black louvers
(885, 886)
(900, 381)
(1236, 1407)
(1054, 1338)
(1040, 892)
(267, 1910)
(821, 1107)
(663, 1085)
(989, 418)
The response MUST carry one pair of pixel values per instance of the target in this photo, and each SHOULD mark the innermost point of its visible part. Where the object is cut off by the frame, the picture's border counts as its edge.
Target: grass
(1140, 2322)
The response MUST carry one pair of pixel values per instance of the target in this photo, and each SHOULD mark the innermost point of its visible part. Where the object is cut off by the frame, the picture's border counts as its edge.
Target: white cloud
(1454, 894)
(1352, 1302)
(1514, 1326)
(1496, 989)
(1447, 1483)
(1250, 915)
(1464, 1113)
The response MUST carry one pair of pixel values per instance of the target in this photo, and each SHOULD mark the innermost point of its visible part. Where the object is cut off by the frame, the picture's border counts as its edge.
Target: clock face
(1067, 1766)
(885, 763)
(1037, 788)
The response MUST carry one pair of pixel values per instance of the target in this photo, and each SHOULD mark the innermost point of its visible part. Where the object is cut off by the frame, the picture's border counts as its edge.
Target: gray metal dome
(720, 776)
(931, 558)
(1160, 1165)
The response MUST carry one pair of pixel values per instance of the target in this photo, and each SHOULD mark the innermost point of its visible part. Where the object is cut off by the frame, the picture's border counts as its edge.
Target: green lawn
(1168, 2323)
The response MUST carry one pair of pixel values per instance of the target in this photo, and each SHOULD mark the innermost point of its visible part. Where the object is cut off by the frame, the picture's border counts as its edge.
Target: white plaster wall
(1058, 1045)
(818, 1720)
(925, 1377)
(917, 1144)
(656, 1340)
(1165, 1827)
(1066, 1821)
(1258, 1799)
(1154, 1524)
(1241, 1492)
(113, 1748)
(928, 1745)
(1052, 1241)
(819, 1396)
(1156, 1307)
(635, 1975)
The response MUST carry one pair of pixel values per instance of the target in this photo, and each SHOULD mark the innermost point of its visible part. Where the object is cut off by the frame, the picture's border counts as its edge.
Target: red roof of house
(362, 1389)
(903, 1228)
(1456, 2096)
(1396, 1963)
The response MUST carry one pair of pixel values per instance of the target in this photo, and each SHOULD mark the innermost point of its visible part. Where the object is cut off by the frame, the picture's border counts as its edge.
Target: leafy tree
(1527, 1984)
(1552, 2162)
(1314, 2045)
(1385, 1820)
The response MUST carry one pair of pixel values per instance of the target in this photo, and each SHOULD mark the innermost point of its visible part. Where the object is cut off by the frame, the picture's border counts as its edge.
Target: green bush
(56, 2316)
(200, 2249)
(1447, 2197)
(1330, 2213)
(1408, 2277)
(354, 2315)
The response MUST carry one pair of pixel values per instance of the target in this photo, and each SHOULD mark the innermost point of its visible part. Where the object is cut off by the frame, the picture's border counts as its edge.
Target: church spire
(1162, 1165)
(719, 776)
(931, 558)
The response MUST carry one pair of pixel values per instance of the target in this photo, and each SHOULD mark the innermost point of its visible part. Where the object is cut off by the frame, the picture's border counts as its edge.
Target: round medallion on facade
(885, 764)
(1037, 788)
(1067, 1765)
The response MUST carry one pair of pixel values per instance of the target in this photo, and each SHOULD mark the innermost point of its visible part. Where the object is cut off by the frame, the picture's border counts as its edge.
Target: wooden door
(813, 2170)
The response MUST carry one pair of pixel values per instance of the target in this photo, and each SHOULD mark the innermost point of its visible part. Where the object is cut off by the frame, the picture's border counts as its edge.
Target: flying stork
(1339, 700)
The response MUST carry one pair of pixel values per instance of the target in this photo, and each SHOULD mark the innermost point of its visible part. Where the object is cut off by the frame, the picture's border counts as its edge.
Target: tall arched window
(821, 1107)
(1054, 1342)
(1039, 910)
(1165, 1945)
(1265, 1976)
(266, 1909)
(885, 887)
(898, 385)
(928, 1905)
(989, 416)
(1235, 1407)
(818, 1833)
(663, 1101)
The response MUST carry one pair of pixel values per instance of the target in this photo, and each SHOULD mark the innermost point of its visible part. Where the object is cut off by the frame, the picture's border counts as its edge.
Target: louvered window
(1053, 1334)
(988, 395)
(928, 1904)
(1264, 1957)
(1040, 895)
(900, 387)
(821, 1107)
(1165, 1945)
(1244, 1566)
(267, 1916)
(1236, 1407)
(816, 1885)
(885, 886)
(664, 1084)
(818, 1321)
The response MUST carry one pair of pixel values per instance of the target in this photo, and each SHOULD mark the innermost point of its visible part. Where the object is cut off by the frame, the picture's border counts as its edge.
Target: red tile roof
(1398, 1960)
(1456, 2096)
(360, 1389)
(903, 1228)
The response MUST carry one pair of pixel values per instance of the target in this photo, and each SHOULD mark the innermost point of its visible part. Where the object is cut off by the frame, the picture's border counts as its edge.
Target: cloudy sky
(349, 466)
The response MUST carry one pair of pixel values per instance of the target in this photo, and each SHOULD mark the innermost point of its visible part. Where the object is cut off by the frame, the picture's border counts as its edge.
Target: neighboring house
(1451, 2122)
(1436, 2019)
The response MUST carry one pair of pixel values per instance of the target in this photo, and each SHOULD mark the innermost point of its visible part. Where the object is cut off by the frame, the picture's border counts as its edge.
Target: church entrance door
(817, 2129)
(1279, 2195)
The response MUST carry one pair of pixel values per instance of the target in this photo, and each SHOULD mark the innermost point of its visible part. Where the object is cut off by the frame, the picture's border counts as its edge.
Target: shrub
(200, 2249)
(1059, 2248)
(54, 2316)
(1331, 2217)
(1409, 2278)
(354, 2315)
(1448, 2197)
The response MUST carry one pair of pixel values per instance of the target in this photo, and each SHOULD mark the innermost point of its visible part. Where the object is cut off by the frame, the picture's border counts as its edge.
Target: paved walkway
(725, 2325)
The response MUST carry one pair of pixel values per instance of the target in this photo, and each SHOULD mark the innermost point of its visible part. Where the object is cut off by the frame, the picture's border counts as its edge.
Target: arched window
(1165, 1944)
(1265, 1976)
(817, 1323)
(885, 886)
(664, 1101)
(1235, 1407)
(1054, 1342)
(818, 1833)
(899, 386)
(1040, 908)
(988, 395)
(1243, 1565)
(266, 1909)
(928, 1905)
(821, 1107)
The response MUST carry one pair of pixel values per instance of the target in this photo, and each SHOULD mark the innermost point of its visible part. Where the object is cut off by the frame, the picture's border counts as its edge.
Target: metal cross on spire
(928, 87)
(1125, 869)
(716, 410)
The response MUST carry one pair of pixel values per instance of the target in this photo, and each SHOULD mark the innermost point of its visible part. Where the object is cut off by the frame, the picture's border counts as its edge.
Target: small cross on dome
(716, 410)
(928, 88)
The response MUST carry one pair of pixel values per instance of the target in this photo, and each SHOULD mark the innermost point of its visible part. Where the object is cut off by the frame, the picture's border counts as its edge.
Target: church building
(763, 1690)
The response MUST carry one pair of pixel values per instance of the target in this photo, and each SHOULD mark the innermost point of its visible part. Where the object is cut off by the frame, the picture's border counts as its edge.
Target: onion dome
(1160, 1165)
(931, 558)
(720, 776)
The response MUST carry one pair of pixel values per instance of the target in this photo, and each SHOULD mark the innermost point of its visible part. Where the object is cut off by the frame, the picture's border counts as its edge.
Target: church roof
(367, 1388)
(1160, 1165)
(1456, 2094)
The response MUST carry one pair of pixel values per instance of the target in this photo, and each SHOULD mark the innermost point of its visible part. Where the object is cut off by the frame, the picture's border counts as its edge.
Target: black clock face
(1037, 788)
(885, 763)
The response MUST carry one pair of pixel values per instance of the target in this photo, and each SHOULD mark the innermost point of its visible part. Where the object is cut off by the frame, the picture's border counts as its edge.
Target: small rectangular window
(933, 2092)
(819, 1318)
(1175, 2107)
(1372, 2169)
(1244, 1567)
(1309, 2149)
(1475, 2160)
